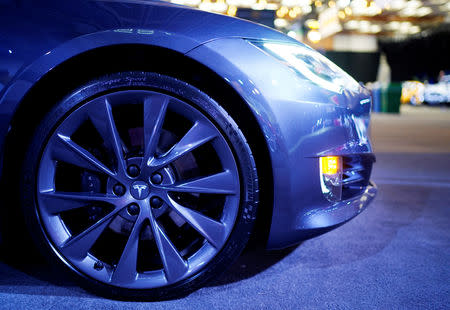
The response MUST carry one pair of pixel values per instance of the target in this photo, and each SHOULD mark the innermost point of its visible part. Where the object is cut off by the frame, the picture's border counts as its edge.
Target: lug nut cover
(156, 178)
(133, 209)
(133, 171)
(156, 202)
(98, 266)
(119, 189)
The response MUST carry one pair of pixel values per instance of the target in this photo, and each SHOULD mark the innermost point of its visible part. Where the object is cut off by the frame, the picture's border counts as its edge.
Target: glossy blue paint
(300, 120)
(37, 36)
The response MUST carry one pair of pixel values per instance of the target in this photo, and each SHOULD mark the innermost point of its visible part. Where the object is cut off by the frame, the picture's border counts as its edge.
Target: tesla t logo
(140, 188)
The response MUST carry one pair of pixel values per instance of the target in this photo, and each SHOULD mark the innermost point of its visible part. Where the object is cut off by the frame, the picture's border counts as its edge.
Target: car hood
(32, 29)
(198, 25)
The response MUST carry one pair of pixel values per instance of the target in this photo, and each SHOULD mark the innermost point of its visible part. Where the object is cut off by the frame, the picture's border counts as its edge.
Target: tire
(140, 186)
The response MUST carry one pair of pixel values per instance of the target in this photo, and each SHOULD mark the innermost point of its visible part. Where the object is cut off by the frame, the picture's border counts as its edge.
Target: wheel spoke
(212, 230)
(126, 271)
(101, 116)
(155, 108)
(198, 135)
(57, 202)
(174, 265)
(68, 151)
(78, 246)
(220, 183)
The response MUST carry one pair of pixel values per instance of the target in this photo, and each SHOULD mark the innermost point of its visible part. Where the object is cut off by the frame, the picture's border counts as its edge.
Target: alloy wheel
(137, 189)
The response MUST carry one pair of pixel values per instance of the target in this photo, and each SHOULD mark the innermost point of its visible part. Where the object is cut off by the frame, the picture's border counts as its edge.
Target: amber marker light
(330, 164)
(331, 177)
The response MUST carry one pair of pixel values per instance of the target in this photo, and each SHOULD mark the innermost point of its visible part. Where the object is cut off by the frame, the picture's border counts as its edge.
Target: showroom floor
(395, 255)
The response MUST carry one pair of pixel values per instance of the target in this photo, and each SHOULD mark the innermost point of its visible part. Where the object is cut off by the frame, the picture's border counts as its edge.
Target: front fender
(300, 122)
(27, 76)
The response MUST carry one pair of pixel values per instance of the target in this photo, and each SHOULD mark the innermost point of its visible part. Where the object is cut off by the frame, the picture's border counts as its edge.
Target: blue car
(142, 142)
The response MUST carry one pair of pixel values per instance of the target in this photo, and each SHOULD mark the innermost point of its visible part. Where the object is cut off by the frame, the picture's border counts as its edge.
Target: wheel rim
(109, 195)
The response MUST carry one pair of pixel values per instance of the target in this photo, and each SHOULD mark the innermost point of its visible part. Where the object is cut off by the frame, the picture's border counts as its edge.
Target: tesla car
(142, 142)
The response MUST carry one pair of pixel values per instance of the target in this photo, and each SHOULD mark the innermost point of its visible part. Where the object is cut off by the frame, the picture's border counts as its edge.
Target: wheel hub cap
(139, 190)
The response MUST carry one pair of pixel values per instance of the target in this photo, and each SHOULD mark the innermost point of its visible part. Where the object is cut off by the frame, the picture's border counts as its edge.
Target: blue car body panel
(38, 36)
(300, 120)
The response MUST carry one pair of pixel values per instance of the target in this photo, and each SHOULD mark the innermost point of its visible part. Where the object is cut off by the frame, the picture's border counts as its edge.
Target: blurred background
(399, 48)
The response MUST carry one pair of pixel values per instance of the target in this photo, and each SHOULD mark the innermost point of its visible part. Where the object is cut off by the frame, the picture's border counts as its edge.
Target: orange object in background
(412, 92)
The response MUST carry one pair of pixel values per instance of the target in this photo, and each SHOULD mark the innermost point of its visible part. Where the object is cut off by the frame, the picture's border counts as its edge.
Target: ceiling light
(297, 10)
(312, 24)
(413, 4)
(271, 6)
(206, 6)
(397, 4)
(352, 24)
(281, 12)
(292, 34)
(232, 10)
(423, 11)
(280, 23)
(373, 9)
(404, 27)
(375, 28)
(382, 3)
(359, 3)
(408, 12)
(192, 2)
(306, 9)
(364, 26)
(414, 29)
(343, 3)
(291, 3)
(260, 5)
(314, 36)
(394, 25)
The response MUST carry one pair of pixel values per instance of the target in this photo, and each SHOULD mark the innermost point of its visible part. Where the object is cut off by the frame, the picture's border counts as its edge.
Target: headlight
(311, 65)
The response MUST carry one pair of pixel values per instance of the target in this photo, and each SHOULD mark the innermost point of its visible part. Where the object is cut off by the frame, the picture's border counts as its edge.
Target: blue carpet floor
(395, 255)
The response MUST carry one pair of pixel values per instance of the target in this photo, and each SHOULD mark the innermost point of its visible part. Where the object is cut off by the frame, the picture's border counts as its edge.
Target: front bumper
(323, 219)
(338, 213)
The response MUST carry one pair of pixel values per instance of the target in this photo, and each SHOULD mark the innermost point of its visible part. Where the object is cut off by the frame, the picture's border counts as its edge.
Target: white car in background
(439, 92)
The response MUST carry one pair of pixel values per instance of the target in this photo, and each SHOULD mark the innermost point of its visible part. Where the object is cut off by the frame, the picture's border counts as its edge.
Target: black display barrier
(362, 66)
(265, 17)
(421, 56)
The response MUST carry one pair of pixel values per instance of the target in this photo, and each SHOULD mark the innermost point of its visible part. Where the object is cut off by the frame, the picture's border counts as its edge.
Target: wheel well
(133, 57)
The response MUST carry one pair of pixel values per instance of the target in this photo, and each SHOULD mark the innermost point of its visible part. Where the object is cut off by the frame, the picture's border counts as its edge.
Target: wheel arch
(96, 62)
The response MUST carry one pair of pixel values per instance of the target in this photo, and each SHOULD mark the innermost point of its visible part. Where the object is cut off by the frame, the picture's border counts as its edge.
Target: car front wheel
(139, 185)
